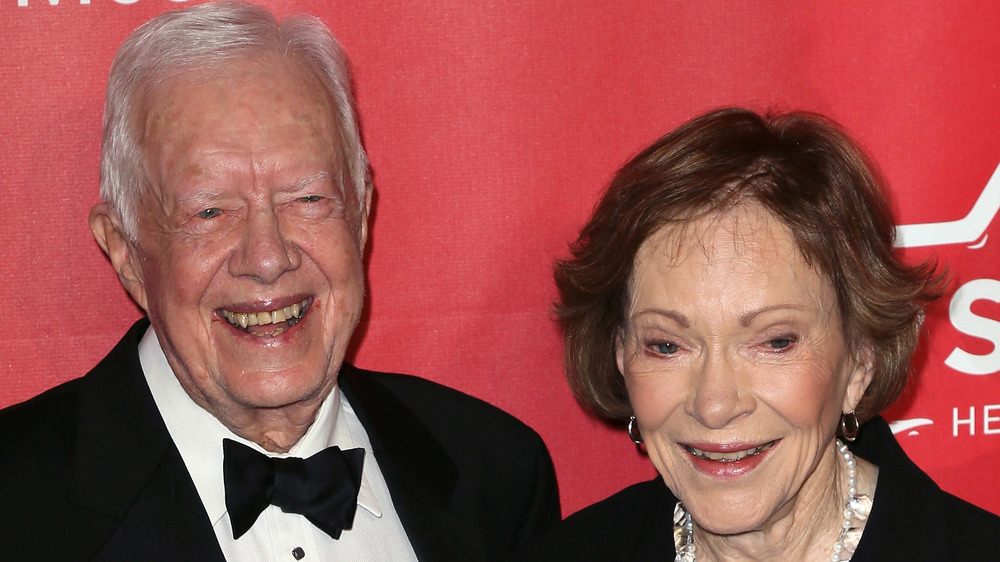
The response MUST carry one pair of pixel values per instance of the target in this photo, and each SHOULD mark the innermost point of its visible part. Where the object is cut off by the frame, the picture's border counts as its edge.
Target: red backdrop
(492, 128)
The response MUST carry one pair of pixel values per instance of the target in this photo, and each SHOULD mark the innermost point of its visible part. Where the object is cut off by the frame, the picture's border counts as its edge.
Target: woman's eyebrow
(672, 314)
(748, 317)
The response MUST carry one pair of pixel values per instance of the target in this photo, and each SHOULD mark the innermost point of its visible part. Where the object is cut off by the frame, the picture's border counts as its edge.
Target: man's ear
(861, 377)
(363, 216)
(110, 236)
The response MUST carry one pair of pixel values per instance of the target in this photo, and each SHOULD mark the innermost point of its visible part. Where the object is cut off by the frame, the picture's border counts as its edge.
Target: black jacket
(89, 471)
(912, 519)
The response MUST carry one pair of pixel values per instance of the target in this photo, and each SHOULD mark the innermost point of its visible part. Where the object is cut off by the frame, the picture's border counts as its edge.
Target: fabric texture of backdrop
(492, 127)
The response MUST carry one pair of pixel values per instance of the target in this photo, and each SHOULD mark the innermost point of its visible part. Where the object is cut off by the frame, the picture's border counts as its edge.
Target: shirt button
(298, 553)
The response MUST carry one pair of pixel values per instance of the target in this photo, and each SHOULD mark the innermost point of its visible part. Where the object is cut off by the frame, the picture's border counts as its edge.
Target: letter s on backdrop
(965, 321)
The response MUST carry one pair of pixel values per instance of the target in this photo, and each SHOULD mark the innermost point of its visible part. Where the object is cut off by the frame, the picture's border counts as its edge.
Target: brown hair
(804, 170)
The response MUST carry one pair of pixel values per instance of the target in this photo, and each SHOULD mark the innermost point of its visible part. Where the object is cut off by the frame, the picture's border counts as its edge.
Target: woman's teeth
(288, 316)
(730, 456)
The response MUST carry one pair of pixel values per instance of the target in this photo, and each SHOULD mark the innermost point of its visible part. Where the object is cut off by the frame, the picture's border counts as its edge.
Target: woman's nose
(719, 393)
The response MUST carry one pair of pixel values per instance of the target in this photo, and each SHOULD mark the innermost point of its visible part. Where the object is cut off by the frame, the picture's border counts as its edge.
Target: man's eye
(666, 348)
(310, 198)
(209, 213)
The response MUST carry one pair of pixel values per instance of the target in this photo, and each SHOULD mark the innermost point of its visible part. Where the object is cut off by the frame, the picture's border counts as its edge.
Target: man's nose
(264, 253)
(719, 394)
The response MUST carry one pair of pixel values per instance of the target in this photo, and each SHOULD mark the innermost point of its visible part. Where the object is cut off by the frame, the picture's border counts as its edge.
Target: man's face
(249, 251)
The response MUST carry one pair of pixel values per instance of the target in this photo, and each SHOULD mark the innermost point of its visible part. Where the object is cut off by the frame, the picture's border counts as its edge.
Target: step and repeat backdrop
(492, 127)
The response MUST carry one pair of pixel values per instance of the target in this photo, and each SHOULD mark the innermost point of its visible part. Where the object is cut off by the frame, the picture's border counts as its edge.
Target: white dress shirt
(377, 534)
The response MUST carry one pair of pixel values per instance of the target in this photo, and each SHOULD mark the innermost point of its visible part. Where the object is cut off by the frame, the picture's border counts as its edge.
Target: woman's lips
(727, 461)
(727, 453)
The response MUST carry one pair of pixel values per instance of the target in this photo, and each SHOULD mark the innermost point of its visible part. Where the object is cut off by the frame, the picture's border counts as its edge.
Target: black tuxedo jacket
(912, 519)
(89, 472)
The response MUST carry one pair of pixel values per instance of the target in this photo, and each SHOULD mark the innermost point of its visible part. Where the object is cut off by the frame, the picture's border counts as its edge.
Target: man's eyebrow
(302, 183)
(198, 196)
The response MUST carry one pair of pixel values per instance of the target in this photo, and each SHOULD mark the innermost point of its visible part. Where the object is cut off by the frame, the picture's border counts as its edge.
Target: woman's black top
(912, 518)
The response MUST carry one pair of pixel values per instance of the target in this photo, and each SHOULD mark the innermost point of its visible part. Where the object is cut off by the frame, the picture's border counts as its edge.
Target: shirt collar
(198, 434)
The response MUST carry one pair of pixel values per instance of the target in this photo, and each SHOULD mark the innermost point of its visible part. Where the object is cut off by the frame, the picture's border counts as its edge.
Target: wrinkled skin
(733, 342)
(244, 212)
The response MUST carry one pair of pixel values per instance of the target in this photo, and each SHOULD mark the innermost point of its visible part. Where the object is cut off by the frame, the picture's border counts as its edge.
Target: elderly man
(227, 427)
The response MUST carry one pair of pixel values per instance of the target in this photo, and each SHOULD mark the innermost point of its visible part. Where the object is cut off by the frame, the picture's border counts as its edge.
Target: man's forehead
(270, 108)
(253, 85)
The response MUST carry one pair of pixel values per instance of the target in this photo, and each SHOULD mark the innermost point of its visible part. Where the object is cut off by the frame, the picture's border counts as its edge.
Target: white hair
(206, 37)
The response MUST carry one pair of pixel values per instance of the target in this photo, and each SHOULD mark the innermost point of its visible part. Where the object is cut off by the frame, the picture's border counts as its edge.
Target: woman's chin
(727, 520)
(726, 527)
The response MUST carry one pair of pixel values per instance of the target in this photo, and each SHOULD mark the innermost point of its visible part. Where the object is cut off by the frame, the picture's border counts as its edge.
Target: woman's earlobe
(861, 378)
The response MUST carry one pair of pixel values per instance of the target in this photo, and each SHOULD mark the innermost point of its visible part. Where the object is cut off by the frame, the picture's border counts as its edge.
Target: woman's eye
(310, 198)
(210, 213)
(665, 348)
(780, 343)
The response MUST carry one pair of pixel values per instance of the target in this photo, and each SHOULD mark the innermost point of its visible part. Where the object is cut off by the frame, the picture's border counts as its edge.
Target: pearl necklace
(856, 509)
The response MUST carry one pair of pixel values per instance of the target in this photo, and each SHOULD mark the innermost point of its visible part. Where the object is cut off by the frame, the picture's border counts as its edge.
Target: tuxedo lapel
(128, 470)
(418, 470)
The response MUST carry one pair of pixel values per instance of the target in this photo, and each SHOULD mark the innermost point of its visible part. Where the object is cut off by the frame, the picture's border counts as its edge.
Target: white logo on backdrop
(970, 230)
(963, 231)
(969, 323)
(910, 425)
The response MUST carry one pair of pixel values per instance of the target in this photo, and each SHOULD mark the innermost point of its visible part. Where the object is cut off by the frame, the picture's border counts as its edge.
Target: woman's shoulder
(937, 526)
(619, 527)
(913, 518)
(973, 533)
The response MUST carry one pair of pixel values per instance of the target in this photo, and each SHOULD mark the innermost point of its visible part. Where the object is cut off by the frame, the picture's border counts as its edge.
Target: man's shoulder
(43, 436)
(40, 444)
(442, 408)
(51, 414)
(636, 502)
(609, 530)
(492, 470)
(57, 409)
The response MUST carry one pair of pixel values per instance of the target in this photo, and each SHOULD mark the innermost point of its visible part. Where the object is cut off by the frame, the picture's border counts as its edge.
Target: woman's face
(737, 369)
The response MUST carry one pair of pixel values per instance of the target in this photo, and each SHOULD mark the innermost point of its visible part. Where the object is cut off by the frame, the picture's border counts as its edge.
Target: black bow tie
(323, 488)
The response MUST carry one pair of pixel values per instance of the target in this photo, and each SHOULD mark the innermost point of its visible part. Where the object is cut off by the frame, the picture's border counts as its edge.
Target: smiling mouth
(270, 323)
(729, 456)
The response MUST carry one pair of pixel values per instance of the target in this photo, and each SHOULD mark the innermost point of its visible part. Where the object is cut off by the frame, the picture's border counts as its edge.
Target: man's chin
(270, 390)
(290, 397)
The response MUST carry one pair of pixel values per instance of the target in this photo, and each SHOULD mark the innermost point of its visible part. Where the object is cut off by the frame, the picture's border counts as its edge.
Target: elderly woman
(735, 297)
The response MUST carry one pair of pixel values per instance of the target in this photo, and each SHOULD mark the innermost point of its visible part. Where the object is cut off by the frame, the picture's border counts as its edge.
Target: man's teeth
(731, 456)
(277, 316)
